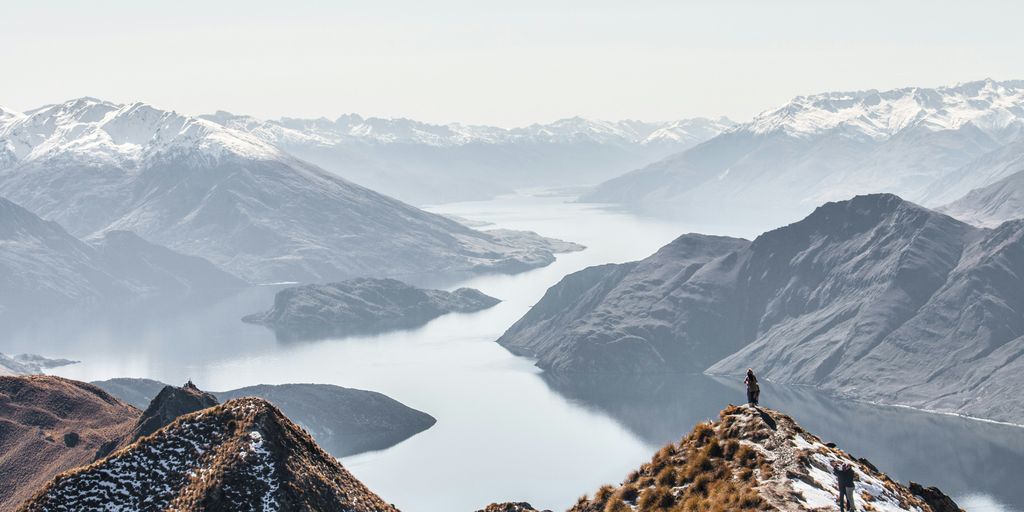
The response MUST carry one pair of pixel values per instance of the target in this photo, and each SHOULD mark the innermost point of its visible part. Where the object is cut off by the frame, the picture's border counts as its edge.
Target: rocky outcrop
(873, 298)
(242, 455)
(169, 404)
(520, 506)
(361, 306)
(934, 497)
(49, 425)
(754, 459)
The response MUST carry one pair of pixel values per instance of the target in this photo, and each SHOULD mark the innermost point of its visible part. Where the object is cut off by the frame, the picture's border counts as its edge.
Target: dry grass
(712, 469)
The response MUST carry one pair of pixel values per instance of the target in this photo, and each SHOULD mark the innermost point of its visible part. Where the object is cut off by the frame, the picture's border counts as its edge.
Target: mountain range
(253, 210)
(874, 298)
(426, 163)
(930, 145)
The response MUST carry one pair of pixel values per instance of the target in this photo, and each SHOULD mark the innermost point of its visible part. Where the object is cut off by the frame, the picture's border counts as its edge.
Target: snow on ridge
(990, 105)
(355, 128)
(97, 132)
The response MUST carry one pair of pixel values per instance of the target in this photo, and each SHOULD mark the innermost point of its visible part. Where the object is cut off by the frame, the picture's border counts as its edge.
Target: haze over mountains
(428, 163)
(874, 298)
(927, 145)
(245, 205)
(43, 267)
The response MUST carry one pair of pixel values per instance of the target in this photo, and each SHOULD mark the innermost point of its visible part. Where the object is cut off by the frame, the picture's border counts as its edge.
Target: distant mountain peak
(100, 132)
(988, 104)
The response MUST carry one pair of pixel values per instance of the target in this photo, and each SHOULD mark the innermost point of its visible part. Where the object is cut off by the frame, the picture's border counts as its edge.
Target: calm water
(506, 431)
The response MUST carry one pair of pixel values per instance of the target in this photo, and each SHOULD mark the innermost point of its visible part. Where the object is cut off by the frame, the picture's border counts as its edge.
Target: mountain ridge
(848, 300)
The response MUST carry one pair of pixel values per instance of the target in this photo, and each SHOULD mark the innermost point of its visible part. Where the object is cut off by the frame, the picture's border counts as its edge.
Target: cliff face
(241, 455)
(49, 425)
(756, 459)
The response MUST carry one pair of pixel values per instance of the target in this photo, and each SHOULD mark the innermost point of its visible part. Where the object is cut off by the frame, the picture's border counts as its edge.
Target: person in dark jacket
(844, 478)
(753, 389)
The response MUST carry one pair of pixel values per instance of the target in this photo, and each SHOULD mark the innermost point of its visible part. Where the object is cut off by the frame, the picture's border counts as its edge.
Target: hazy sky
(504, 63)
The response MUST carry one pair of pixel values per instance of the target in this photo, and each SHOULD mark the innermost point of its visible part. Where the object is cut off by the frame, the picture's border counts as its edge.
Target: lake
(505, 430)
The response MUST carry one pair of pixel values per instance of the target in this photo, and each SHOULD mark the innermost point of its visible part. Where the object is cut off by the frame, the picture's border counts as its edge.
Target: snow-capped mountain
(203, 189)
(995, 108)
(776, 167)
(429, 163)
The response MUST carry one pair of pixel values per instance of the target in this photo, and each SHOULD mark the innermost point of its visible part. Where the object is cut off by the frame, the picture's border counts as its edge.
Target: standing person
(753, 389)
(844, 479)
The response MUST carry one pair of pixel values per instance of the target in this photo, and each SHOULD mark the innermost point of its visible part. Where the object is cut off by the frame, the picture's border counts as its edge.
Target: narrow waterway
(506, 431)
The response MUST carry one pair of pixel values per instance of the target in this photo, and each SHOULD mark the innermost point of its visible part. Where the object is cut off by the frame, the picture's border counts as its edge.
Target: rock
(935, 498)
(361, 306)
(171, 403)
(521, 506)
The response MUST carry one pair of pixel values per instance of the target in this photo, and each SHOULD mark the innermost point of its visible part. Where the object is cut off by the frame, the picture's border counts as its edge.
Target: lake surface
(505, 430)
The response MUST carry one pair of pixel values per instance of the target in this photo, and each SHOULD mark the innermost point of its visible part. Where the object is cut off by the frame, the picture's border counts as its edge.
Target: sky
(494, 62)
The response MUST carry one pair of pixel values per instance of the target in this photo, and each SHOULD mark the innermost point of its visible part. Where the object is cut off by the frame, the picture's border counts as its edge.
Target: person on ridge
(753, 390)
(844, 479)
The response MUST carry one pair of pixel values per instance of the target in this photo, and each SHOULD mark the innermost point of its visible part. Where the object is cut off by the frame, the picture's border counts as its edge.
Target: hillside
(241, 455)
(49, 425)
(361, 306)
(201, 189)
(777, 167)
(755, 459)
(991, 205)
(45, 268)
(876, 290)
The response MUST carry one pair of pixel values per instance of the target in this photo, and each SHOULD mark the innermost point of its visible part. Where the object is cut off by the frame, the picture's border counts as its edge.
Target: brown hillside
(49, 425)
(242, 455)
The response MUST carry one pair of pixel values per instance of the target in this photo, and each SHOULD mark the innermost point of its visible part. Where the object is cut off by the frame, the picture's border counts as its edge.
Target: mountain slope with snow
(777, 167)
(202, 189)
(428, 163)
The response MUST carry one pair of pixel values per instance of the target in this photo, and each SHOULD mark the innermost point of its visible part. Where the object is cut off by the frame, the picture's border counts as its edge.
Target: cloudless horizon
(504, 64)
